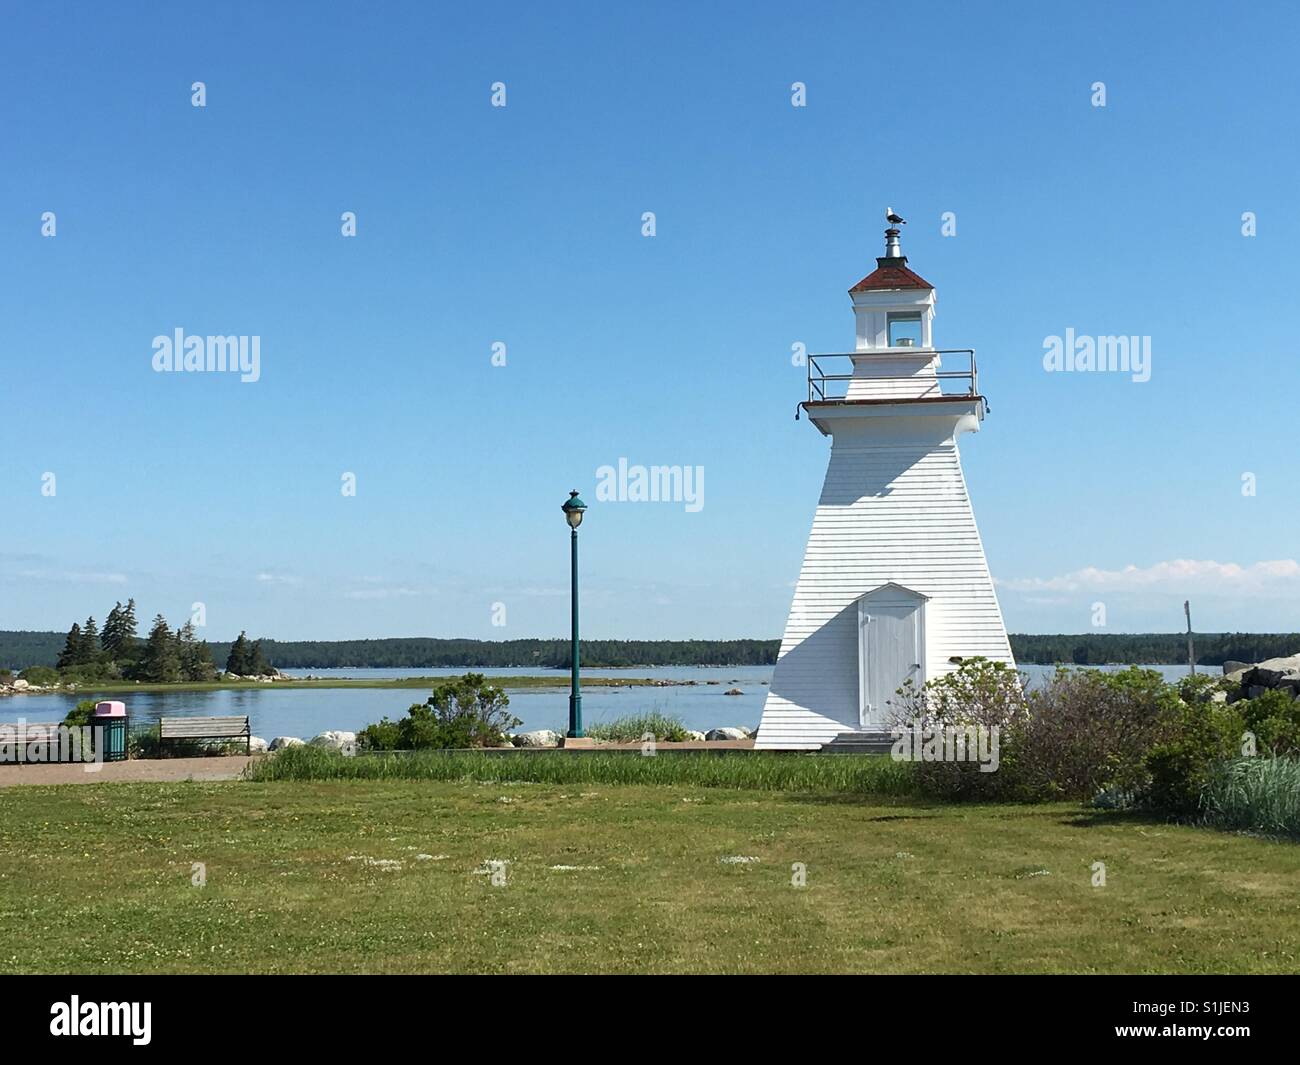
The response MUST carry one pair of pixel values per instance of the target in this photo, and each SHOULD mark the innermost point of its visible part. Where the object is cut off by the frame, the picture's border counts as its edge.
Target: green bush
(1198, 687)
(466, 711)
(44, 676)
(980, 694)
(1274, 718)
(1199, 736)
(80, 714)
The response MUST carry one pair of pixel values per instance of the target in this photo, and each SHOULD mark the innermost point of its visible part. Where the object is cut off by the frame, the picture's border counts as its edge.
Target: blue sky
(478, 224)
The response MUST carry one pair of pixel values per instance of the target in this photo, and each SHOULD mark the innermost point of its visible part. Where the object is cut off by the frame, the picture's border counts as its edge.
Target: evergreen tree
(162, 663)
(257, 660)
(71, 652)
(240, 660)
(128, 626)
(113, 638)
(89, 643)
(195, 655)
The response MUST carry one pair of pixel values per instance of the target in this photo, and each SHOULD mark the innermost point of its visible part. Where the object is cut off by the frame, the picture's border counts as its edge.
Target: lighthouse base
(894, 590)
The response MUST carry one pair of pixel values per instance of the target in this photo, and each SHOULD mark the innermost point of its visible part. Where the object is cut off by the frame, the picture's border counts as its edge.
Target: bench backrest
(202, 728)
(29, 731)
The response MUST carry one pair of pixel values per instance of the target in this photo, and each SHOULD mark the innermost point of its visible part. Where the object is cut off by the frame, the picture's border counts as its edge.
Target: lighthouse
(894, 585)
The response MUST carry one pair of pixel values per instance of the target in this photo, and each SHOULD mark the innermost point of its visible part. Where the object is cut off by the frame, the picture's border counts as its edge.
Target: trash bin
(110, 725)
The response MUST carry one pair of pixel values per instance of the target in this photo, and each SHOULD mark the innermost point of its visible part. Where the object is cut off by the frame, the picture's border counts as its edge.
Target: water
(299, 712)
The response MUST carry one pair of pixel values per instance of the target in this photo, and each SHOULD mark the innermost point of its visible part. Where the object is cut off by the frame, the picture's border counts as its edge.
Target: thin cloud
(65, 577)
(1276, 577)
(277, 578)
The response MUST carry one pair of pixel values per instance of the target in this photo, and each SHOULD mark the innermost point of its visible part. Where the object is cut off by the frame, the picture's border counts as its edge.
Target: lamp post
(574, 508)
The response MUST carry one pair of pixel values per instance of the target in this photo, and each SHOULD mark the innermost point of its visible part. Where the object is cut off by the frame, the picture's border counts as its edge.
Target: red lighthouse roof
(891, 268)
(891, 273)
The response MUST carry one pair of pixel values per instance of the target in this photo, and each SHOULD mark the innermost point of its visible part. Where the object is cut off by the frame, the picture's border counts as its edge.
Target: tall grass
(1255, 793)
(840, 774)
(633, 727)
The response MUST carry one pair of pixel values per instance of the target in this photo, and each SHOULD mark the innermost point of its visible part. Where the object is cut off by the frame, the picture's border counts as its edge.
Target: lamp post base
(575, 717)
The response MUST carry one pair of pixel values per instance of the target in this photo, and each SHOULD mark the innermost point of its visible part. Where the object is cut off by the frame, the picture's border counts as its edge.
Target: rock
(692, 734)
(539, 738)
(21, 685)
(344, 742)
(281, 742)
(1254, 691)
(1234, 667)
(1268, 673)
(733, 691)
(727, 734)
(257, 745)
(1218, 697)
(1236, 675)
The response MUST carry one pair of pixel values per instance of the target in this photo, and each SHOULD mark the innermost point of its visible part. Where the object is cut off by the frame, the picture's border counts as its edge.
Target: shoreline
(521, 681)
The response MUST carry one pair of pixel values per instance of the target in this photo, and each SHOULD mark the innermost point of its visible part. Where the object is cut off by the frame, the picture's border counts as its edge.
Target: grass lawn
(97, 878)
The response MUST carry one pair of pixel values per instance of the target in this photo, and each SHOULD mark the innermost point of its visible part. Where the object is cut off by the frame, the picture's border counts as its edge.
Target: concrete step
(874, 742)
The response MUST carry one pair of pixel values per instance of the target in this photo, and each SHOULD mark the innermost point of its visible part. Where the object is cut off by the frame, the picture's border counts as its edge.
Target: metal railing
(824, 387)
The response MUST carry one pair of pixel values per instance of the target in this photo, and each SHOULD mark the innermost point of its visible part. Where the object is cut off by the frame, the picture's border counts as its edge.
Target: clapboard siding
(890, 510)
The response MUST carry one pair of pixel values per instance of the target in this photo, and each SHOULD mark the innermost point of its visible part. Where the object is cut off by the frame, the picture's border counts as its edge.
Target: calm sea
(290, 712)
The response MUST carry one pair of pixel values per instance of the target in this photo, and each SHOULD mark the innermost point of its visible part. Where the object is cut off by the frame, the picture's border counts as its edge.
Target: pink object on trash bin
(110, 709)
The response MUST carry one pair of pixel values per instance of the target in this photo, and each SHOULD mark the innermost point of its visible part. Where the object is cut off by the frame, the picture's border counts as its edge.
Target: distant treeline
(1153, 648)
(19, 650)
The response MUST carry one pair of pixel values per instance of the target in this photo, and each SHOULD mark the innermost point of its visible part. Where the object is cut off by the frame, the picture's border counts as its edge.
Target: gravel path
(158, 770)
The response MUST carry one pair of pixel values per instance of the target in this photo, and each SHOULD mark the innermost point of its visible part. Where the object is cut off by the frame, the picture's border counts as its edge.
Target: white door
(891, 653)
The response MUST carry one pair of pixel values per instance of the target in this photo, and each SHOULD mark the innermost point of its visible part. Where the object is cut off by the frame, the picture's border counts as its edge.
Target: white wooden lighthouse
(894, 584)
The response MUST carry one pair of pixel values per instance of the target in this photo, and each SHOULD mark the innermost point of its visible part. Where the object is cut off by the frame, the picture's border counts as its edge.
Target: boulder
(281, 742)
(544, 737)
(21, 685)
(727, 734)
(1236, 675)
(1267, 674)
(344, 742)
(1234, 667)
(692, 734)
(733, 691)
(257, 745)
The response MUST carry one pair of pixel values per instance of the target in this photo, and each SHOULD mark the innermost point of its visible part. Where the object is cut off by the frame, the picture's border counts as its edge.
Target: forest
(20, 650)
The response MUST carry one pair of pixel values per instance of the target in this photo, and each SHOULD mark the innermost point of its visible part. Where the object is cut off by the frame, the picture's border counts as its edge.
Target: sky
(524, 225)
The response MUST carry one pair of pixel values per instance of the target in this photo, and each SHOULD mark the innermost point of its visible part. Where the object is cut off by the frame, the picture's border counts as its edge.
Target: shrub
(1274, 718)
(1199, 737)
(464, 712)
(1198, 687)
(978, 693)
(80, 714)
(1084, 732)
(44, 676)
(1089, 731)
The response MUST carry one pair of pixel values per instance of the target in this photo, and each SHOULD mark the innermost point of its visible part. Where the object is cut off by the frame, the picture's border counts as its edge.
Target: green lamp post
(574, 508)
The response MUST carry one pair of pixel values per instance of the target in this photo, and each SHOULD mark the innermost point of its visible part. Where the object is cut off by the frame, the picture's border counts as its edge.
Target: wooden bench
(12, 733)
(179, 729)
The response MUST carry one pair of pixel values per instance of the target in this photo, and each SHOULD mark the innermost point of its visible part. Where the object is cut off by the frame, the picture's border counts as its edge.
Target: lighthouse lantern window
(904, 329)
